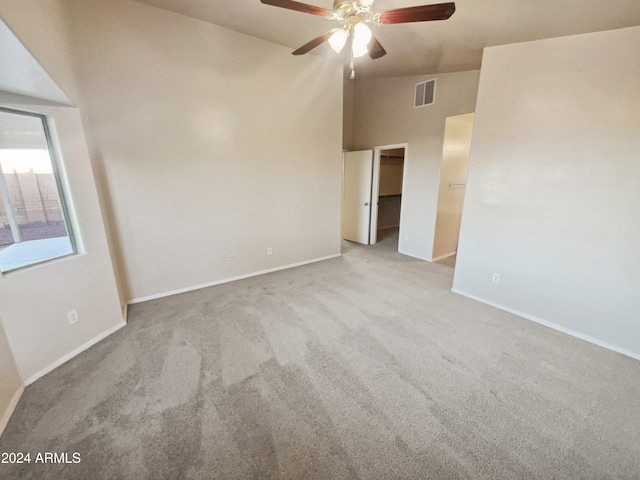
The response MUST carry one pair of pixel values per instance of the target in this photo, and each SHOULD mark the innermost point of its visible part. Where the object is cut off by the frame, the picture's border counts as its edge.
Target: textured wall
(212, 143)
(553, 194)
(10, 381)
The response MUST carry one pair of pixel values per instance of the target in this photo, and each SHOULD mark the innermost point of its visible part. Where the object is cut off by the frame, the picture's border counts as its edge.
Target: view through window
(33, 218)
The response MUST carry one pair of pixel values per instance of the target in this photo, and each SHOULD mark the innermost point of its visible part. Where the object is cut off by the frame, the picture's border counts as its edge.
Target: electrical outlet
(232, 257)
(73, 317)
(269, 251)
(496, 278)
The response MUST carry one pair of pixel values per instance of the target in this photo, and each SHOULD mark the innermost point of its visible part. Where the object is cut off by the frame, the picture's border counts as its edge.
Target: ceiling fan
(353, 15)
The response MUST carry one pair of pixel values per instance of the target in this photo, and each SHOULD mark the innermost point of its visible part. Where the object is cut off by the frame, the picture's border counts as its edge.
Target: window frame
(61, 182)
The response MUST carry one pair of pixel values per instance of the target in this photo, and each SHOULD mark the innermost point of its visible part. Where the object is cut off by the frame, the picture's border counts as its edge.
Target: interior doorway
(452, 187)
(386, 193)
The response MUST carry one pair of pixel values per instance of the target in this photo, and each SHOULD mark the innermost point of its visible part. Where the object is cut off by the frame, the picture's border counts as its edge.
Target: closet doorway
(453, 182)
(386, 192)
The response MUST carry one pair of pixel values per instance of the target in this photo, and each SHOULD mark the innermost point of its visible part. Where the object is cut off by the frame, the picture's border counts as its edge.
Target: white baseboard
(75, 352)
(403, 252)
(446, 255)
(10, 408)
(555, 326)
(228, 280)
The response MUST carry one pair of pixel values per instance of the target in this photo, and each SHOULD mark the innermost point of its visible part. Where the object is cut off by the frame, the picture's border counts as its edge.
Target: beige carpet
(364, 366)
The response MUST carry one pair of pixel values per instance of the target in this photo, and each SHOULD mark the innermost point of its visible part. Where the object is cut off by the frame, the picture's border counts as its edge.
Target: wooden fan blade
(299, 7)
(375, 49)
(313, 43)
(423, 13)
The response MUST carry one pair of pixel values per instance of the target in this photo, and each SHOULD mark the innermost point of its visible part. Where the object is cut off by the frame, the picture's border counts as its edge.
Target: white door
(357, 168)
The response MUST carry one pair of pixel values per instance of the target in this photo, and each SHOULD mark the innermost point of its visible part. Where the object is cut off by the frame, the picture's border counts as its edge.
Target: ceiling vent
(425, 93)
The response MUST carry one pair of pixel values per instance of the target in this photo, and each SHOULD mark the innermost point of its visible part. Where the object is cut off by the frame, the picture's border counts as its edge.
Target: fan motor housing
(352, 12)
(339, 4)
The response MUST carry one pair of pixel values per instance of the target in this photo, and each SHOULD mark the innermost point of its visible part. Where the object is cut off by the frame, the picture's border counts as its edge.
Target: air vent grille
(425, 93)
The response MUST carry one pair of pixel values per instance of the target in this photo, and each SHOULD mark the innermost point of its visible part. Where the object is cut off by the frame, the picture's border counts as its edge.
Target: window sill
(33, 252)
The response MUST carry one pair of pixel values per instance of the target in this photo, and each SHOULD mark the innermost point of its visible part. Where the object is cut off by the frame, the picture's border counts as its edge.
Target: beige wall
(455, 161)
(390, 184)
(553, 193)
(10, 382)
(34, 301)
(347, 115)
(212, 143)
(384, 115)
(391, 176)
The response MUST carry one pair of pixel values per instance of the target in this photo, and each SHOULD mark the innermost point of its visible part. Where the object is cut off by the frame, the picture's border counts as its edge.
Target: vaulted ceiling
(417, 48)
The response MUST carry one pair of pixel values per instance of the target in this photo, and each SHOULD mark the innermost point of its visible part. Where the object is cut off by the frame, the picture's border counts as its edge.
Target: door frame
(375, 188)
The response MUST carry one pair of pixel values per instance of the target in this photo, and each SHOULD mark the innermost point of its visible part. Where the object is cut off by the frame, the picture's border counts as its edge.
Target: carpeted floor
(365, 366)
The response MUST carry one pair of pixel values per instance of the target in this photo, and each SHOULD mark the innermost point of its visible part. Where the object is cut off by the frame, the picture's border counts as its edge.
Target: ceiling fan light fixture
(361, 38)
(353, 15)
(338, 39)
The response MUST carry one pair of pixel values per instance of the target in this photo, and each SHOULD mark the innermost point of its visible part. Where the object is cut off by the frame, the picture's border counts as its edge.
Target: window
(34, 224)
(425, 93)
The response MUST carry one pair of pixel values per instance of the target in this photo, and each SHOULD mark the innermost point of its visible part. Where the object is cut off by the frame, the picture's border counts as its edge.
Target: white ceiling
(427, 47)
